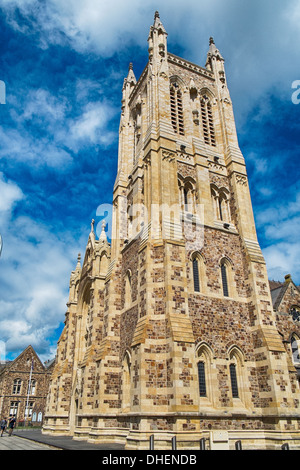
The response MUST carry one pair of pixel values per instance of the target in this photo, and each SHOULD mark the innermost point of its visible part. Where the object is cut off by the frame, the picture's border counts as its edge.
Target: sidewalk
(61, 442)
(17, 443)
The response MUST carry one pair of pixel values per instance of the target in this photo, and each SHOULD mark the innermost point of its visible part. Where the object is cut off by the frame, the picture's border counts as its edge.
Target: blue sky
(63, 63)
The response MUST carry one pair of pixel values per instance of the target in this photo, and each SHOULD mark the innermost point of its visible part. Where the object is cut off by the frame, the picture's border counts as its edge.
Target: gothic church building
(170, 328)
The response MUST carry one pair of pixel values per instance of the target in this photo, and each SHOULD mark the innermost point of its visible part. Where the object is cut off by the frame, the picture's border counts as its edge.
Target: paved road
(18, 443)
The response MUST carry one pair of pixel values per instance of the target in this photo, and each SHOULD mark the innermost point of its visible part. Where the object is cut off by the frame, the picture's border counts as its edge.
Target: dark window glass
(196, 275)
(224, 280)
(234, 384)
(202, 382)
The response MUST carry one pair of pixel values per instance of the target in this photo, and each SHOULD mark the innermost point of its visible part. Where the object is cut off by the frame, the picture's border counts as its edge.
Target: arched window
(233, 379)
(187, 192)
(220, 198)
(176, 109)
(224, 205)
(236, 374)
(104, 263)
(224, 278)
(198, 272)
(207, 121)
(204, 369)
(202, 379)
(196, 275)
(128, 290)
(126, 381)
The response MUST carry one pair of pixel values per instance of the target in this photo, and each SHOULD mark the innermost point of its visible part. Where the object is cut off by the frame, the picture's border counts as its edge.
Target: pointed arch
(204, 359)
(236, 363)
(198, 272)
(225, 266)
(126, 381)
(224, 210)
(128, 289)
(221, 198)
(104, 263)
(187, 192)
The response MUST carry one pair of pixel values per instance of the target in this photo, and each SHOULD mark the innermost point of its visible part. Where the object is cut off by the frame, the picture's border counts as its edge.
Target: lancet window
(187, 194)
(128, 289)
(198, 272)
(224, 279)
(220, 199)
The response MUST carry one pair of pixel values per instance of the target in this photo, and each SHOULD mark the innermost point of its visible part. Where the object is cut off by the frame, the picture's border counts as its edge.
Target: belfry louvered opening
(207, 122)
(176, 109)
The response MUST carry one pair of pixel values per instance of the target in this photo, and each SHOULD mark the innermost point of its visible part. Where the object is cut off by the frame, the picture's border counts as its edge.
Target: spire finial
(92, 225)
(211, 41)
(103, 234)
(130, 66)
(78, 266)
(156, 15)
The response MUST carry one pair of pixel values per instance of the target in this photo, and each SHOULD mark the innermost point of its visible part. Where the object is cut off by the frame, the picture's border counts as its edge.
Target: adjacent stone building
(24, 385)
(170, 328)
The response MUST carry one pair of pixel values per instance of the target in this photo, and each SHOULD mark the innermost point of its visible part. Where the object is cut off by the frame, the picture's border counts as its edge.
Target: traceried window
(187, 194)
(176, 109)
(220, 200)
(207, 121)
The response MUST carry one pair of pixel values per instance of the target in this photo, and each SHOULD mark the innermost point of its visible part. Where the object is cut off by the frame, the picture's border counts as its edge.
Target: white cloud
(281, 227)
(92, 124)
(10, 193)
(35, 269)
(259, 40)
(282, 258)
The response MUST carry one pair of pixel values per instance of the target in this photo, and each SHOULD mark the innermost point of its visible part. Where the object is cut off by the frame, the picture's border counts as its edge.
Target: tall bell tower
(170, 329)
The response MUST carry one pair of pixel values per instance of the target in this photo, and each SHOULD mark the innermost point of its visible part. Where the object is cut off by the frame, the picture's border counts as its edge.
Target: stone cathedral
(170, 328)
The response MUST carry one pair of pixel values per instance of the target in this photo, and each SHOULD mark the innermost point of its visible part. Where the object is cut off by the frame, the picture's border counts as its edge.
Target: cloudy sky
(63, 63)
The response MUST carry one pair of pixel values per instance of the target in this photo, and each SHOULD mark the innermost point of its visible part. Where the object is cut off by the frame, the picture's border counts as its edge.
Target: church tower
(170, 329)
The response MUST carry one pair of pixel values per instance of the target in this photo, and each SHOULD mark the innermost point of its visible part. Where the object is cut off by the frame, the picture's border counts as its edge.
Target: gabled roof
(277, 295)
(10, 365)
(279, 289)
